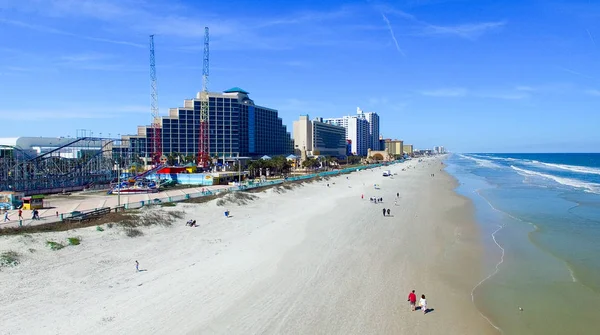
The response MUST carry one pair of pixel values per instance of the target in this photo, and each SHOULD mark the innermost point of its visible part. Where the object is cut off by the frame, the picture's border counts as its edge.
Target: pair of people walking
(386, 211)
(412, 300)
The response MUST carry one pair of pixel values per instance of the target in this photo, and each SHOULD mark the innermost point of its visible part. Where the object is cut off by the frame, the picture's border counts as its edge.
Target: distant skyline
(473, 76)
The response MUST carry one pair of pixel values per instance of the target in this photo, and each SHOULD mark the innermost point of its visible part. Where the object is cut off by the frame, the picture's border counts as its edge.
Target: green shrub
(54, 245)
(74, 240)
(9, 258)
(109, 225)
(31, 250)
(177, 215)
(132, 232)
(98, 228)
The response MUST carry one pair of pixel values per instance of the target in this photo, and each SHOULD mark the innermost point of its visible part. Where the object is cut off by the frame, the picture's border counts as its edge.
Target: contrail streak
(591, 37)
(393, 35)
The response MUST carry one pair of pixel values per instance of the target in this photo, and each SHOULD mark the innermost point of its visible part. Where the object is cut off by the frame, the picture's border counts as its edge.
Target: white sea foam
(489, 157)
(590, 187)
(572, 168)
(482, 162)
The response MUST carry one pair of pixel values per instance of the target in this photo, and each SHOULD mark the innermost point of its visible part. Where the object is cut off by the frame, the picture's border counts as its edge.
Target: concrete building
(302, 134)
(319, 138)
(357, 132)
(394, 147)
(373, 120)
(237, 128)
(408, 149)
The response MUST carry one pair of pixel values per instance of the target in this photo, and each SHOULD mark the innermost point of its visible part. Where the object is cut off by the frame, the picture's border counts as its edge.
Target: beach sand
(310, 260)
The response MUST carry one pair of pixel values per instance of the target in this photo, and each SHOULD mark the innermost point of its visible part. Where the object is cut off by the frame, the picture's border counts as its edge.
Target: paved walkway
(80, 201)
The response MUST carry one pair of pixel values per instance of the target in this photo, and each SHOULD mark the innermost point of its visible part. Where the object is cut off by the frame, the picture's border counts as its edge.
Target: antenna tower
(157, 143)
(203, 140)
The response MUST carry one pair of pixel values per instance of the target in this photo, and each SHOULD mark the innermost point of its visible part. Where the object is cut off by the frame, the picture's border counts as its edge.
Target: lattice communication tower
(203, 140)
(156, 140)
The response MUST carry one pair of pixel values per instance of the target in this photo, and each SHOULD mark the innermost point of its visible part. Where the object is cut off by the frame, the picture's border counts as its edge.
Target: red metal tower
(203, 140)
(157, 140)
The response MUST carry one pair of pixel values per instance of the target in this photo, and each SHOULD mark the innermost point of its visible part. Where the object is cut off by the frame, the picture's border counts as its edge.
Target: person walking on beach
(423, 304)
(20, 214)
(137, 266)
(384, 212)
(397, 195)
(6, 216)
(412, 300)
(388, 212)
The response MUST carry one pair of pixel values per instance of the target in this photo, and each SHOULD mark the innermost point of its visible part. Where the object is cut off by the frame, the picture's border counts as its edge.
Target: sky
(473, 76)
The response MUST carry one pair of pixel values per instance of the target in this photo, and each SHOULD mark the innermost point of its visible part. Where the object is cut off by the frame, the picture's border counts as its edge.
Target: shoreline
(528, 283)
(314, 259)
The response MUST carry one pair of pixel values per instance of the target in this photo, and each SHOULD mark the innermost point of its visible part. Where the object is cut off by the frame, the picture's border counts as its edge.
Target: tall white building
(439, 150)
(373, 120)
(357, 132)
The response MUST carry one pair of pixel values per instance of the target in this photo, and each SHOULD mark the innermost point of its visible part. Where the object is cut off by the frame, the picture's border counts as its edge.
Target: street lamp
(239, 172)
(118, 185)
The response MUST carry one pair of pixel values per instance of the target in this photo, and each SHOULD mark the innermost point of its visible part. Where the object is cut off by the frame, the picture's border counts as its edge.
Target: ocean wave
(489, 157)
(572, 168)
(482, 162)
(590, 187)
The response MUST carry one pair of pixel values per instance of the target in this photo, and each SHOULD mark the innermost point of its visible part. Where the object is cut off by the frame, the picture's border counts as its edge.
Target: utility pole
(119, 184)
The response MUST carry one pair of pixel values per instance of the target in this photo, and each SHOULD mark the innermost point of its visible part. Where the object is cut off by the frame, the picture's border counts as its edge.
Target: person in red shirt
(412, 300)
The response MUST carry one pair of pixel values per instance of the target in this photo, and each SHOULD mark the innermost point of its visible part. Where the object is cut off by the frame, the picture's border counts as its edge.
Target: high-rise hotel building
(237, 128)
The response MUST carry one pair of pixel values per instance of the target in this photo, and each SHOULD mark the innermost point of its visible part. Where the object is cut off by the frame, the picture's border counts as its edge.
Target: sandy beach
(314, 259)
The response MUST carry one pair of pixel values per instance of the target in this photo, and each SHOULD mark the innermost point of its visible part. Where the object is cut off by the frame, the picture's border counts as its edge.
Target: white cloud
(69, 112)
(446, 92)
(577, 73)
(465, 30)
(310, 16)
(593, 92)
(378, 101)
(468, 31)
(503, 95)
(50, 30)
(297, 63)
(491, 94)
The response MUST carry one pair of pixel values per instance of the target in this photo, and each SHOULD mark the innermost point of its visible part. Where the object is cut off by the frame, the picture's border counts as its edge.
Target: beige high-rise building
(408, 149)
(394, 147)
(302, 133)
(319, 138)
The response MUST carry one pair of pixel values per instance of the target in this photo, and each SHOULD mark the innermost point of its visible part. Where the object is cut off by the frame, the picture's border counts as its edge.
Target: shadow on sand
(427, 311)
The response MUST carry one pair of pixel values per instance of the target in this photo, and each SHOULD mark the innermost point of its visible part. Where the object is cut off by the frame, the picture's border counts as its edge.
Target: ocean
(539, 216)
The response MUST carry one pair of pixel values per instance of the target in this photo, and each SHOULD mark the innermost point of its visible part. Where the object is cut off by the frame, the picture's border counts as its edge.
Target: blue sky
(474, 76)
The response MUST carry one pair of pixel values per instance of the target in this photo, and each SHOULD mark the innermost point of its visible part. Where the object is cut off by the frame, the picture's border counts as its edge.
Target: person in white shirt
(423, 303)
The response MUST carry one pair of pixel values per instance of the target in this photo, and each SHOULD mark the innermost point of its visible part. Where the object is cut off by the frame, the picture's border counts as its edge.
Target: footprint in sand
(107, 319)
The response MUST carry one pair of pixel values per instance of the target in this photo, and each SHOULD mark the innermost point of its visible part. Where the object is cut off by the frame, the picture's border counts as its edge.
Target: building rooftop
(235, 90)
